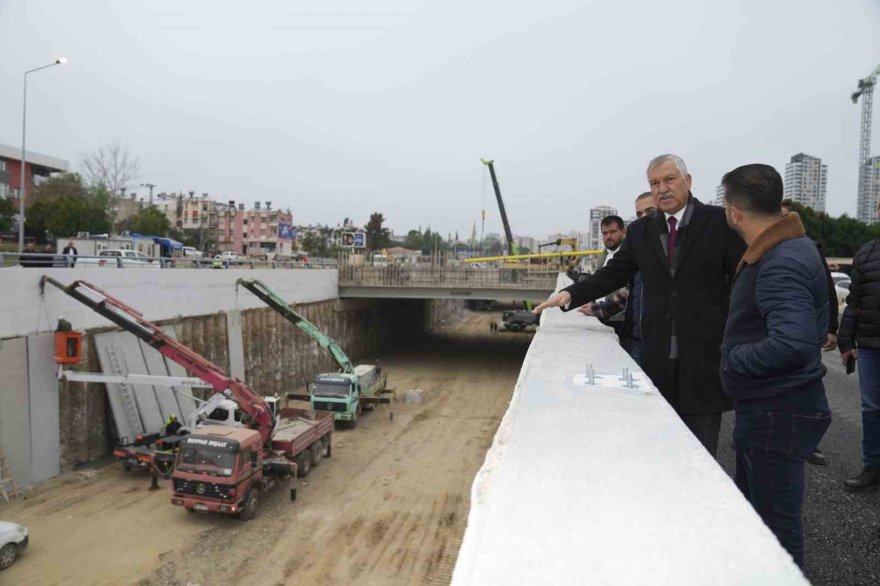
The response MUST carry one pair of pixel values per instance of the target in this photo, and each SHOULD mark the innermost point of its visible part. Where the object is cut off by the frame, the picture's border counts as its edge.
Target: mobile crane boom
(259, 289)
(132, 321)
(507, 233)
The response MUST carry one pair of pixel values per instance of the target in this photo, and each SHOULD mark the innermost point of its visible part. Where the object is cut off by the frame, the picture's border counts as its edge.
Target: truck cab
(339, 393)
(219, 469)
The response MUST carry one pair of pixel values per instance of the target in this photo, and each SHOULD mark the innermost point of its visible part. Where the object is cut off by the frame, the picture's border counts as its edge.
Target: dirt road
(389, 507)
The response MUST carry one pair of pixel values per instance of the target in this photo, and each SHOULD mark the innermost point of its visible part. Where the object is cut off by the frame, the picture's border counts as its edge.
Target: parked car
(116, 257)
(190, 252)
(842, 289)
(13, 541)
(227, 255)
(837, 277)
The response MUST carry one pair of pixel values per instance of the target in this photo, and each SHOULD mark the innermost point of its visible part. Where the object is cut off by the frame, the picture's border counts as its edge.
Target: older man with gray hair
(686, 254)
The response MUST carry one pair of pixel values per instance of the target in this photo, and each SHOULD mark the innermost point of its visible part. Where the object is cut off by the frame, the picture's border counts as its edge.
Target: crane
(866, 92)
(132, 321)
(507, 233)
(269, 297)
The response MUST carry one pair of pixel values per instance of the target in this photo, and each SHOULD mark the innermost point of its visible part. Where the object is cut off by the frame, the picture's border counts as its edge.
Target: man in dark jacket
(859, 337)
(771, 358)
(630, 303)
(686, 255)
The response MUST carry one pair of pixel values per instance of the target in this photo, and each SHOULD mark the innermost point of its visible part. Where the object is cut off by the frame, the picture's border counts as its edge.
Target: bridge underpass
(445, 282)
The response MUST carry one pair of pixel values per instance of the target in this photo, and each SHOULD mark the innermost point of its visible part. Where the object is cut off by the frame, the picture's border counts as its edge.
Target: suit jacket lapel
(694, 227)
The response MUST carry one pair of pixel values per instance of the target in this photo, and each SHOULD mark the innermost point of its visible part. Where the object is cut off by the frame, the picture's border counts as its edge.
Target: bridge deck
(445, 282)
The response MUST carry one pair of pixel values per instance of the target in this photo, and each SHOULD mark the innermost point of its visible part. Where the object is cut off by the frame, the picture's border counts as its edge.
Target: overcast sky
(338, 109)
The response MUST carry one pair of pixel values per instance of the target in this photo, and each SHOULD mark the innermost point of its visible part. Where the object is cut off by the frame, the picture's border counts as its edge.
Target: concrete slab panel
(236, 344)
(44, 413)
(165, 396)
(186, 404)
(15, 435)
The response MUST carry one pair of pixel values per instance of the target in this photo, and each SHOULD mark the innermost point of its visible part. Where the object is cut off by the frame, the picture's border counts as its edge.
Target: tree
(150, 221)
(7, 214)
(413, 240)
(377, 236)
(112, 166)
(64, 205)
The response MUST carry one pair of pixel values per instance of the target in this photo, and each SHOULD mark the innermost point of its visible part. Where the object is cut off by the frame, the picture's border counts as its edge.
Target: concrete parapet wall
(159, 295)
(603, 484)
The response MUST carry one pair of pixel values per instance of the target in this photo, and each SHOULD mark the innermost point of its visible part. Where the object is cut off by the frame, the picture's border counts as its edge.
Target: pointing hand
(558, 300)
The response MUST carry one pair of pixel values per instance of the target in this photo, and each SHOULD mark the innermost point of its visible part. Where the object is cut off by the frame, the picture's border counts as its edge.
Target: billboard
(286, 232)
(354, 239)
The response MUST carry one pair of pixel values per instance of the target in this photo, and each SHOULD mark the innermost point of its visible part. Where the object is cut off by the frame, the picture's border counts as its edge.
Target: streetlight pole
(22, 190)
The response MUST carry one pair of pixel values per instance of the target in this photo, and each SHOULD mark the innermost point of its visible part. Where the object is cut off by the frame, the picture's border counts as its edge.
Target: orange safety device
(68, 347)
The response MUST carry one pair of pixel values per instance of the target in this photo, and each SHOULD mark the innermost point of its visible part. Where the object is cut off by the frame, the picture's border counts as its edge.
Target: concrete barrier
(603, 484)
(157, 294)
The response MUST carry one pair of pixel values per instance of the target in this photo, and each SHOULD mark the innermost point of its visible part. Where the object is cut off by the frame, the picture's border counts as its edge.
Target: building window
(4, 190)
(2, 165)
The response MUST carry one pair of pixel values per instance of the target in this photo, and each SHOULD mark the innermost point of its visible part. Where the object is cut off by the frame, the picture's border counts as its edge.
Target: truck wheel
(251, 504)
(325, 444)
(317, 450)
(7, 555)
(304, 463)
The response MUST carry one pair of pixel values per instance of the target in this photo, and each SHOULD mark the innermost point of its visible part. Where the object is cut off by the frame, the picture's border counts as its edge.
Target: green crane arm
(269, 297)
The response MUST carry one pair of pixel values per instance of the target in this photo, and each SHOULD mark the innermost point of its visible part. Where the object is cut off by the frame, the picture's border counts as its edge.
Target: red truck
(224, 468)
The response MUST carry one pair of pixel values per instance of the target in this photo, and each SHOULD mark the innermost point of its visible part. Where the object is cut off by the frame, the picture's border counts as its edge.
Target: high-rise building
(719, 196)
(595, 233)
(806, 181)
(867, 211)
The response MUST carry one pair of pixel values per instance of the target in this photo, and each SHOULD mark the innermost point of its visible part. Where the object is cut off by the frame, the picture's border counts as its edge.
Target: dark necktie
(673, 234)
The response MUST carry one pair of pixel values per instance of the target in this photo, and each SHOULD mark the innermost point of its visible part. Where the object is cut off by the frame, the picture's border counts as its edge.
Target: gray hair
(642, 196)
(663, 159)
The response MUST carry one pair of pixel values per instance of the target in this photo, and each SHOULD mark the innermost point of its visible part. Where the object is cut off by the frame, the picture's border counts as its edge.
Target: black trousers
(705, 427)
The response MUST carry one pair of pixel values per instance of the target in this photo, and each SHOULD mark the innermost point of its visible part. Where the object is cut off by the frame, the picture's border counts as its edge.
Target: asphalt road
(842, 529)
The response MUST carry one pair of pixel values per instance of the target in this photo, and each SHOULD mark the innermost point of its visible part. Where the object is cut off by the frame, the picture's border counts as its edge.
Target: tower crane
(511, 246)
(866, 92)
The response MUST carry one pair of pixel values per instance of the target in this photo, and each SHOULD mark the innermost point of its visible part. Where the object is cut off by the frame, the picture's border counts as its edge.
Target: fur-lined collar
(787, 227)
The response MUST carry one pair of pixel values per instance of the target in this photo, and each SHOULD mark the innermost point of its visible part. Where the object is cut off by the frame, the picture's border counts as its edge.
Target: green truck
(346, 393)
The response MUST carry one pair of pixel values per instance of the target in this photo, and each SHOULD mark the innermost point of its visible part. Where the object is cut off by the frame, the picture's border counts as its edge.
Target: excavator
(222, 468)
(346, 393)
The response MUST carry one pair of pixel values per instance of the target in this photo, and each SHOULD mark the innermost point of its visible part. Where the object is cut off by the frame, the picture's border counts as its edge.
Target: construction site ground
(390, 506)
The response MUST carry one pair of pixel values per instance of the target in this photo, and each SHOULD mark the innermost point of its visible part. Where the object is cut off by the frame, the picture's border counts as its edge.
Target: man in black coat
(686, 254)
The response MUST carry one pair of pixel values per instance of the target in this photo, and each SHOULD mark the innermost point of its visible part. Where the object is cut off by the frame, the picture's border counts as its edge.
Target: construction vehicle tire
(250, 506)
(317, 450)
(304, 463)
(7, 555)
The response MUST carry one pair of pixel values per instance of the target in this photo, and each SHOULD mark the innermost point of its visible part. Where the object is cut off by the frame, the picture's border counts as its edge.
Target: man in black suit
(686, 254)
(70, 253)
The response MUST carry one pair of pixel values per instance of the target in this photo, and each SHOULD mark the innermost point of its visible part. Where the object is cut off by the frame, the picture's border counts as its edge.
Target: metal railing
(48, 260)
(541, 277)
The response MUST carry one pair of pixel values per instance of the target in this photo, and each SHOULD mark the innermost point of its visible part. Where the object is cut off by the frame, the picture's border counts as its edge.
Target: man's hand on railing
(560, 299)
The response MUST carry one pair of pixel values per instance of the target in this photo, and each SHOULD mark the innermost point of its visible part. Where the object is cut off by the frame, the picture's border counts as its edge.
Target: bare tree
(112, 166)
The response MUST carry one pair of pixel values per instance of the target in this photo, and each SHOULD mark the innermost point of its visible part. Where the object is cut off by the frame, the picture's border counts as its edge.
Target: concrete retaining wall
(278, 358)
(158, 294)
(602, 484)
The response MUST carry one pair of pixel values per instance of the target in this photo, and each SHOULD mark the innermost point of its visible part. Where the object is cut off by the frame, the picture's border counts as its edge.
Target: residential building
(525, 242)
(594, 239)
(806, 181)
(260, 231)
(867, 208)
(719, 196)
(37, 170)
